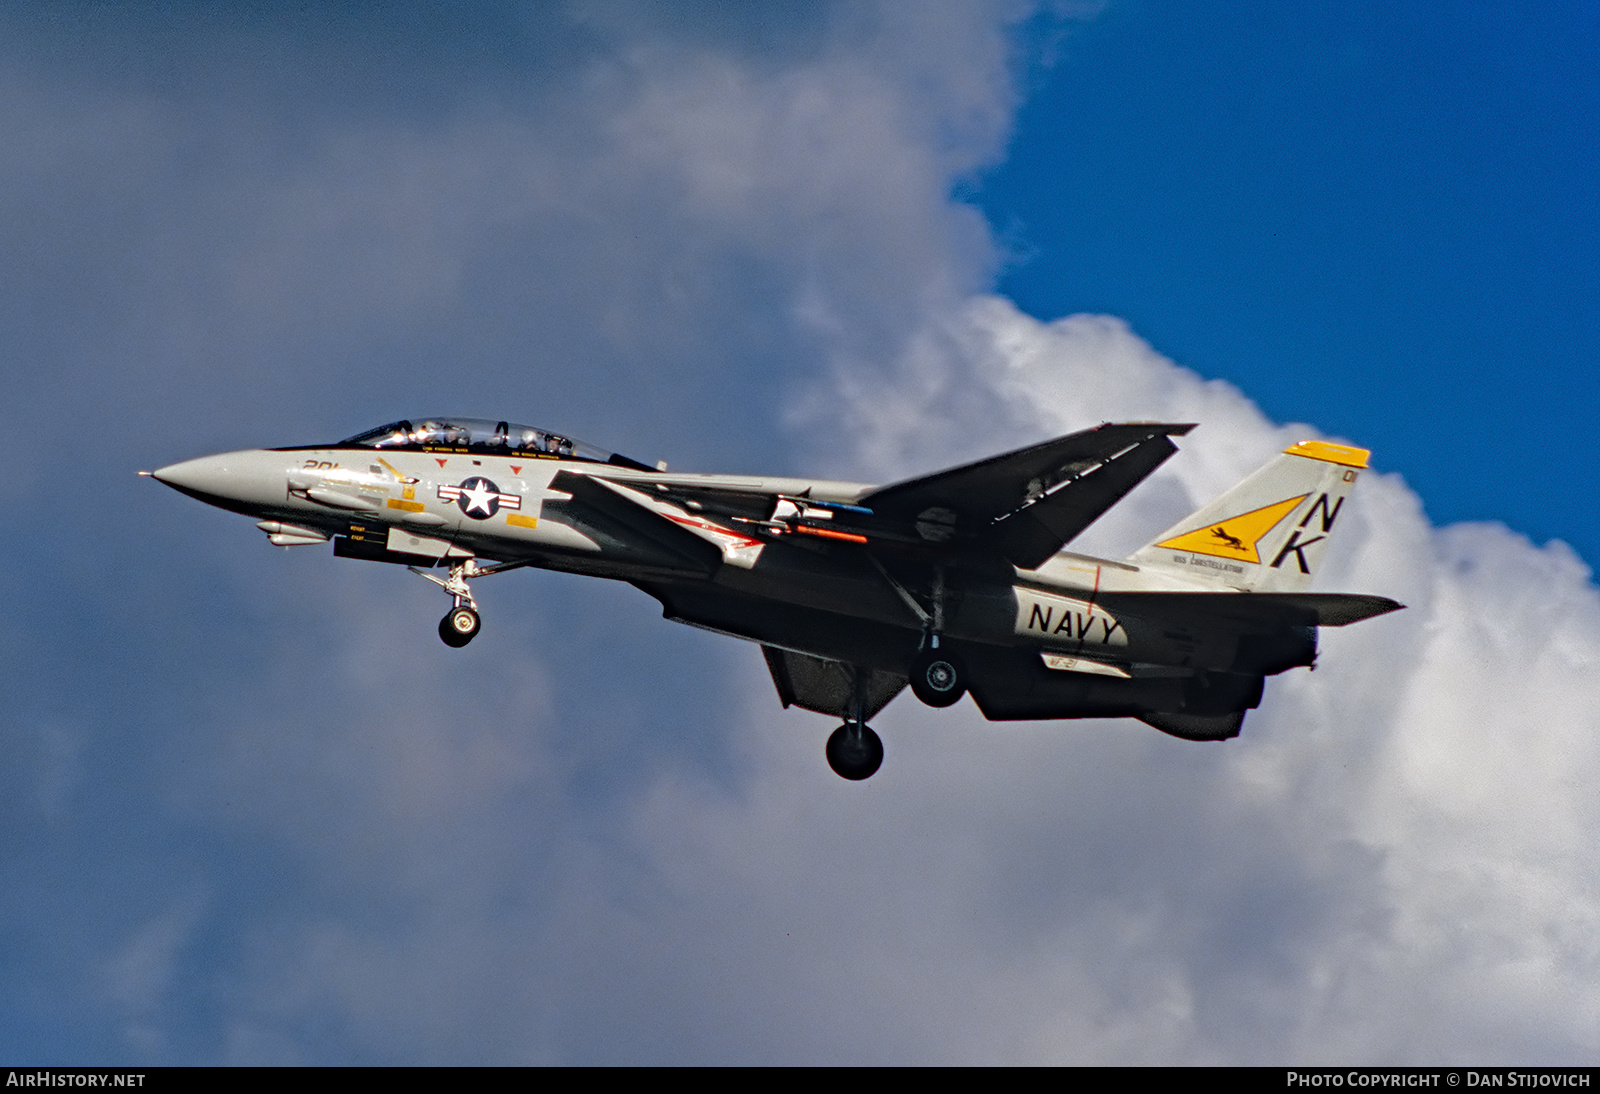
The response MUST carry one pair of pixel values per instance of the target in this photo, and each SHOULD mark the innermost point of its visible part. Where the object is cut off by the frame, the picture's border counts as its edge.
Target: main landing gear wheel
(854, 751)
(459, 627)
(938, 678)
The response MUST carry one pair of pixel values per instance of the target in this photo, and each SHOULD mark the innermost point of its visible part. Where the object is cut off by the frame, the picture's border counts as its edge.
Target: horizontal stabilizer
(1031, 534)
(1031, 502)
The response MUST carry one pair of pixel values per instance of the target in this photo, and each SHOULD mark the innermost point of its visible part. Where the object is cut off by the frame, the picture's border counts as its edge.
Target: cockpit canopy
(479, 435)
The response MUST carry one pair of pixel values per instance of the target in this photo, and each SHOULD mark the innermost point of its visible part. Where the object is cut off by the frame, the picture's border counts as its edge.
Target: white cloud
(1441, 754)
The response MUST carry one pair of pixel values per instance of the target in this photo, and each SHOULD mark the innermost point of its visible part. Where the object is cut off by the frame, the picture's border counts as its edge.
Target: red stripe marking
(715, 529)
(829, 533)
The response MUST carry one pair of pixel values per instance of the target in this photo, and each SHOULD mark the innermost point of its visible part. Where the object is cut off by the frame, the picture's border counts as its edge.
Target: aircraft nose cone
(230, 480)
(207, 475)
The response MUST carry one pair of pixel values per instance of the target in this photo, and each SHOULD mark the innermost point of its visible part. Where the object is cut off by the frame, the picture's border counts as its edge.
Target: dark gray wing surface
(1029, 503)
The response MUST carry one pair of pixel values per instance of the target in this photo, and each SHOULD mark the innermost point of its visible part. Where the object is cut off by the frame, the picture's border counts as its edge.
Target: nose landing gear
(462, 623)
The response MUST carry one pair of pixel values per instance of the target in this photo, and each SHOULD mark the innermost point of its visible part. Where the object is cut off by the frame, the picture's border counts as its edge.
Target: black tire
(459, 627)
(854, 753)
(938, 678)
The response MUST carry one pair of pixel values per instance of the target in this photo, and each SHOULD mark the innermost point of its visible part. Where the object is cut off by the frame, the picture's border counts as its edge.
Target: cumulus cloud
(1399, 869)
(592, 836)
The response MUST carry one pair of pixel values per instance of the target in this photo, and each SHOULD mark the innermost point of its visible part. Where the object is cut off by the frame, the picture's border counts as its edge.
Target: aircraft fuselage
(430, 507)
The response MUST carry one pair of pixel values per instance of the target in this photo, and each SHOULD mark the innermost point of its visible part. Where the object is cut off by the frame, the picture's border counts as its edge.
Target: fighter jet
(956, 583)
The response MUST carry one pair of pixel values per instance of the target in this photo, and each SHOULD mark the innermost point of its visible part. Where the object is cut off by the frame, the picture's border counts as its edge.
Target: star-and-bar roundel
(479, 498)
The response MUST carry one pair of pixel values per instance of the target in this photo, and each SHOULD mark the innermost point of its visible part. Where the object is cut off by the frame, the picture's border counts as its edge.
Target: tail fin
(1269, 532)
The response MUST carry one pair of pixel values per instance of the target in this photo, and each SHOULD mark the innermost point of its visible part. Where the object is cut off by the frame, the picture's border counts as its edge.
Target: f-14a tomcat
(956, 583)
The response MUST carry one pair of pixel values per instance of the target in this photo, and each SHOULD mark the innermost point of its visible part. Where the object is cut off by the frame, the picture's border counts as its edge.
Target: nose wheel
(459, 627)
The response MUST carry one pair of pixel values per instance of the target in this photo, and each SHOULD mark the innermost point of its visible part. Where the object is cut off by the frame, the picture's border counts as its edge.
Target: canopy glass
(475, 435)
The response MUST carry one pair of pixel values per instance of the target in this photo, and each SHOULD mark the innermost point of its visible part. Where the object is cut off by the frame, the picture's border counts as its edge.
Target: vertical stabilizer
(1269, 532)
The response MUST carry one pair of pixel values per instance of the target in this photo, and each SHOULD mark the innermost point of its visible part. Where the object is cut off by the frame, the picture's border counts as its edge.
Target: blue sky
(252, 810)
(1376, 218)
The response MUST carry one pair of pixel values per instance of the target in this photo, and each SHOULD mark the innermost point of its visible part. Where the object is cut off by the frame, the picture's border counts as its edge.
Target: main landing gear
(855, 752)
(937, 676)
